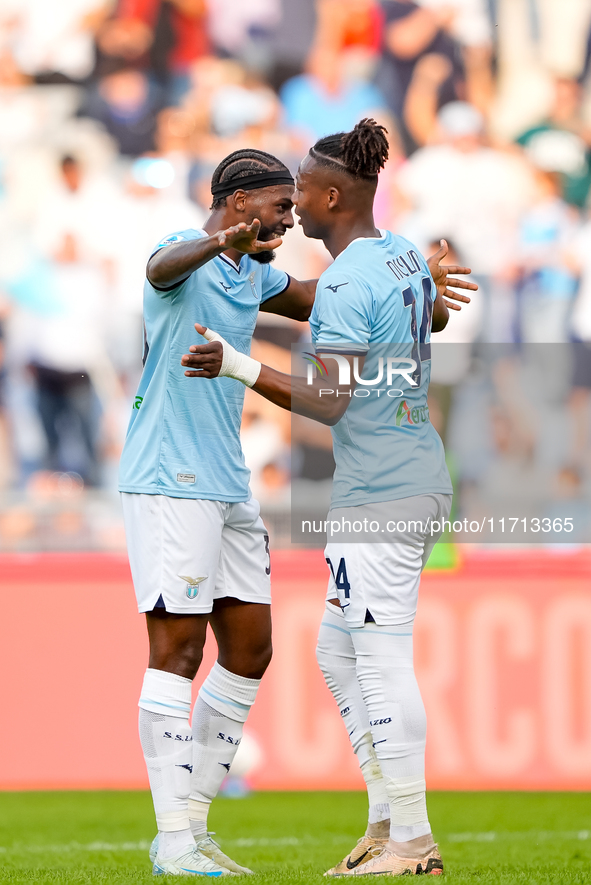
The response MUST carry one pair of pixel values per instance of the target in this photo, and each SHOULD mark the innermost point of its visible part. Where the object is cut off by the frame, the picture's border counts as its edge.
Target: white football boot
(210, 848)
(188, 863)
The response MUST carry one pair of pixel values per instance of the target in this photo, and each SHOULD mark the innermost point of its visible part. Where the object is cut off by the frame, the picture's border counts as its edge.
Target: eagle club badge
(192, 585)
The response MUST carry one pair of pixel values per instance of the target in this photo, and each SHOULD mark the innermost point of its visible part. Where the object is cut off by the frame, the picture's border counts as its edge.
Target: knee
(258, 662)
(184, 659)
(251, 665)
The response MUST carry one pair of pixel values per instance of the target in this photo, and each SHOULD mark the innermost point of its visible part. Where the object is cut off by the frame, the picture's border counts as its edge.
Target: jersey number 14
(421, 350)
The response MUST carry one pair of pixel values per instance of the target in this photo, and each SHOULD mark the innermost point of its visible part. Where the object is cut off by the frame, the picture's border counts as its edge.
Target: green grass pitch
(293, 837)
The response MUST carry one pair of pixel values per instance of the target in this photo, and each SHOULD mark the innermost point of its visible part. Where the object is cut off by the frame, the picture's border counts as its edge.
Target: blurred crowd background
(113, 115)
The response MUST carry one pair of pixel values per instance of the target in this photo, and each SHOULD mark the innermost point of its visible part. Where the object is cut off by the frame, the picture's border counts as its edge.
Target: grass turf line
(102, 837)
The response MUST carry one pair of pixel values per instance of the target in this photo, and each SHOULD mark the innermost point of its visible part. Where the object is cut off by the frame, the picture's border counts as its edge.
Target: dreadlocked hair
(240, 164)
(361, 152)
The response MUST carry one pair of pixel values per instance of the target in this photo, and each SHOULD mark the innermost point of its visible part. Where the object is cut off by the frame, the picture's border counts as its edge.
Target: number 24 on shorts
(340, 579)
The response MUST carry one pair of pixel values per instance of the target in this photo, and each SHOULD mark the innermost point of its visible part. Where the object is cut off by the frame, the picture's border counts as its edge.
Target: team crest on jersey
(192, 585)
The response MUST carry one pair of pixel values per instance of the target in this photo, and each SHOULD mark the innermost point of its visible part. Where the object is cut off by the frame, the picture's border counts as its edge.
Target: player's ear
(239, 199)
(332, 197)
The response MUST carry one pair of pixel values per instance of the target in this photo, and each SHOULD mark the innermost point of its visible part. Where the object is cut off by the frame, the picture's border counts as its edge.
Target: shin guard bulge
(221, 709)
(165, 735)
(336, 658)
(397, 720)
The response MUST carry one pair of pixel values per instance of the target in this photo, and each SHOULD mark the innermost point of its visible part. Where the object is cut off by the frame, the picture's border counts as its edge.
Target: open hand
(204, 360)
(244, 238)
(440, 274)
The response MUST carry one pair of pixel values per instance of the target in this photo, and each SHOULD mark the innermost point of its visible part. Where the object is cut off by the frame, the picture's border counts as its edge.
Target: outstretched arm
(175, 263)
(324, 400)
(442, 280)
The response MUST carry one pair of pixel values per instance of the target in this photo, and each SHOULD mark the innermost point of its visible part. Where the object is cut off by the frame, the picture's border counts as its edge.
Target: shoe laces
(203, 857)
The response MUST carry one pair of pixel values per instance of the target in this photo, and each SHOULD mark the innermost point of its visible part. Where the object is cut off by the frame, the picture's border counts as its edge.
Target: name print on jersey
(405, 267)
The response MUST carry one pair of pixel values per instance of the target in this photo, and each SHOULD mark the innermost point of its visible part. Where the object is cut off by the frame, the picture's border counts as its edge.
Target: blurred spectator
(59, 319)
(580, 328)
(78, 204)
(150, 208)
(292, 39)
(412, 31)
(470, 21)
(536, 40)
(565, 118)
(490, 190)
(346, 23)
(331, 96)
(238, 106)
(66, 345)
(162, 37)
(548, 281)
(126, 103)
(53, 42)
(245, 30)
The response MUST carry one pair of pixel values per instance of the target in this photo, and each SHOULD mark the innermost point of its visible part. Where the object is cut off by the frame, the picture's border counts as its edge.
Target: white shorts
(383, 578)
(185, 552)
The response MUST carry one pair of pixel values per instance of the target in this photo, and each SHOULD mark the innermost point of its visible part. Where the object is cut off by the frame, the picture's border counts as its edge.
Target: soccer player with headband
(198, 548)
(378, 294)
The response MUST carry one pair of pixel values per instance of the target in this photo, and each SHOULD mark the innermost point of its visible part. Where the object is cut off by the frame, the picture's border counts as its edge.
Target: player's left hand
(205, 360)
(440, 274)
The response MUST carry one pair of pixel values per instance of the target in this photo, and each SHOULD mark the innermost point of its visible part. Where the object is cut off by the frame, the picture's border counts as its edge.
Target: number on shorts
(268, 552)
(341, 580)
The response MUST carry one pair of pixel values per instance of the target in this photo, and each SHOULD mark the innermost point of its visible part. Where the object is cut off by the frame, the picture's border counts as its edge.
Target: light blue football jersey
(183, 439)
(376, 299)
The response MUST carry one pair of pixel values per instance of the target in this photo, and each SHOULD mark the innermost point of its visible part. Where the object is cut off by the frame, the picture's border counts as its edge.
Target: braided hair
(361, 152)
(241, 164)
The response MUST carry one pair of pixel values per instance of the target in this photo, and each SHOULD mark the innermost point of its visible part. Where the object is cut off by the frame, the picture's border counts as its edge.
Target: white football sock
(336, 657)
(397, 719)
(221, 709)
(166, 740)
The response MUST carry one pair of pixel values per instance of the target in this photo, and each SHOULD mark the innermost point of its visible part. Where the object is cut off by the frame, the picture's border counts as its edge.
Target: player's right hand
(218, 358)
(205, 360)
(244, 238)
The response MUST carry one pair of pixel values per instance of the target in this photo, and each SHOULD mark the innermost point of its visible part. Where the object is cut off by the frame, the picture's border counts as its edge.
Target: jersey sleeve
(171, 240)
(273, 282)
(343, 314)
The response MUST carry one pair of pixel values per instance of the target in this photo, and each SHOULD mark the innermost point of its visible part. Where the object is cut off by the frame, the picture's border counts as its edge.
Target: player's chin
(263, 257)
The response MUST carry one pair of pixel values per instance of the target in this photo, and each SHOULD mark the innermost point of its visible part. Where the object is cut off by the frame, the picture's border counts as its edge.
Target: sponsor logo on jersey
(415, 415)
(336, 286)
(224, 287)
(185, 477)
(192, 585)
(137, 402)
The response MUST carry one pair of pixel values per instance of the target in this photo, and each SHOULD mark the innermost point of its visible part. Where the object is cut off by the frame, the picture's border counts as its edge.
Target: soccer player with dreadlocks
(198, 549)
(376, 305)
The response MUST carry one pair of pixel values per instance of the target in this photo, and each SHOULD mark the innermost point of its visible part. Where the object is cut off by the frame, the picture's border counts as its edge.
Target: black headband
(250, 182)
